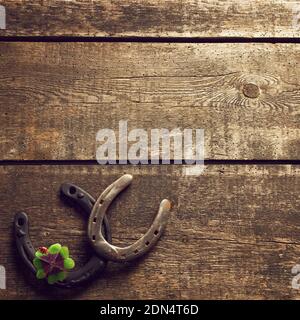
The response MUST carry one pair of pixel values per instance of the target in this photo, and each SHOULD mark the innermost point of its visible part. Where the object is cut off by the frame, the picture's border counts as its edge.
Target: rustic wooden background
(70, 68)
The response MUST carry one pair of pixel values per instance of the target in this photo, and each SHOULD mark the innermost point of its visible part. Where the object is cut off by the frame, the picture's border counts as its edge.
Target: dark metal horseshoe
(110, 252)
(26, 250)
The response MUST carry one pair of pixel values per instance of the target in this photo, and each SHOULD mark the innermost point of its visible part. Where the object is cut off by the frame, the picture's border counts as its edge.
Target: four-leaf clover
(53, 263)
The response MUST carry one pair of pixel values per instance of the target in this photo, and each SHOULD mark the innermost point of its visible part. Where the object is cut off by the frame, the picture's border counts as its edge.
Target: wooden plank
(152, 18)
(54, 97)
(233, 233)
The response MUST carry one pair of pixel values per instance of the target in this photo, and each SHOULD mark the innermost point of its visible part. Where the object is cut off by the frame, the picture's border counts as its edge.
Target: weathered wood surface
(233, 232)
(153, 18)
(54, 97)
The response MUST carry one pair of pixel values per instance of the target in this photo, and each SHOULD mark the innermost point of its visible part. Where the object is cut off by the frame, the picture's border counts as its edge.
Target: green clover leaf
(54, 249)
(64, 251)
(69, 263)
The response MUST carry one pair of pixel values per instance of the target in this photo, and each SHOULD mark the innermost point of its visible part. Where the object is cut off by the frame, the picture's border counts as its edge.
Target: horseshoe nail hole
(95, 220)
(147, 243)
(21, 221)
(101, 201)
(136, 251)
(72, 190)
(94, 237)
(156, 232)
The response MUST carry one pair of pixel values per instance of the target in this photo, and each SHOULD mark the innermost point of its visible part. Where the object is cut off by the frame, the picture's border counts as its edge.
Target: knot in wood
(251, 90)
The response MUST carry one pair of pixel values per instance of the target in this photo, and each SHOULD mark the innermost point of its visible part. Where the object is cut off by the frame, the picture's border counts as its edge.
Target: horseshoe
(76, 196)
(118, 254)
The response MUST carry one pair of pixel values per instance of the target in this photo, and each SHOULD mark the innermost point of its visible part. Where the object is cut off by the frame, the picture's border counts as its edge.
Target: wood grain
(152, 18)
(233, 232)
(54, 97)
